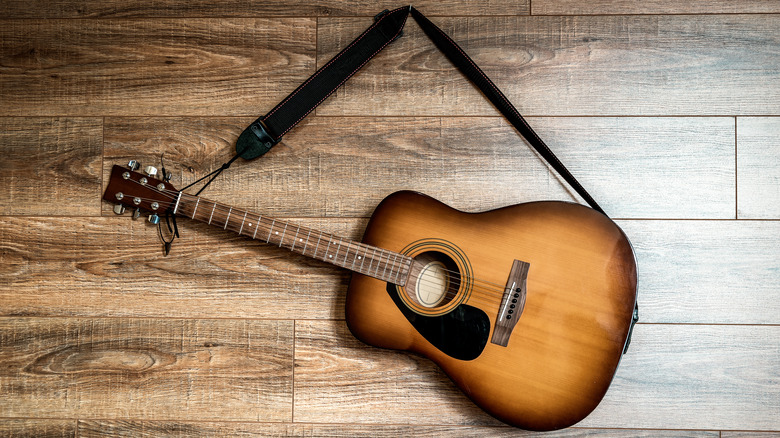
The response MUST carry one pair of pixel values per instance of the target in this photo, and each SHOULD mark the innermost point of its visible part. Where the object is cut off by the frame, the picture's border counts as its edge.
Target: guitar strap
(259, 137)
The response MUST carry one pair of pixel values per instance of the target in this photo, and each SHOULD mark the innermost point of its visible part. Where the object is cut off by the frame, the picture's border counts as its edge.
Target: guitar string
(218, 209)
(493, 289)
(479, 291)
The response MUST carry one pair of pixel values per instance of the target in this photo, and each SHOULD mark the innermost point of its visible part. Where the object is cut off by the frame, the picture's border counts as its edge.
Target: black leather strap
(266, 131)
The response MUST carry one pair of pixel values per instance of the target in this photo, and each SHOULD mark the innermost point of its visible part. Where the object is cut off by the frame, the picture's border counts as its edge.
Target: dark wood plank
(163, 66)
(18, 428)
(146, 369)
(50, 166)
(719, 272)
(345, 166)
(600, 65)
(608, 7)
(697, 377)
(161, 429)
(674, 376)
(758, 167)
(115, 267)
(237, 8)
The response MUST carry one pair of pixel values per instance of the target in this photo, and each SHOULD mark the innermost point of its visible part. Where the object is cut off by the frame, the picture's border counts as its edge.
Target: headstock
(142, 191)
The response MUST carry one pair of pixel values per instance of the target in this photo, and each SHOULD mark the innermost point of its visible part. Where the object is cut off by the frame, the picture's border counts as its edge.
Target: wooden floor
(667, 111)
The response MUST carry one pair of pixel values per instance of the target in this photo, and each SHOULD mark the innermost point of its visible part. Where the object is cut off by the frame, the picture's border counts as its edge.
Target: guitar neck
(369, 260)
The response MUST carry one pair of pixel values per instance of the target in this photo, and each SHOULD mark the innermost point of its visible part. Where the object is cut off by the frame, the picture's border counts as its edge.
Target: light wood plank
(163, 66)
(17, 428)
(147, 368)
(601, 65)
(758, 167)
(50, 166)
(696, 377)
(719, 272)
(346, 166)
(750, 435)
(115, 267)
(88, 429)
(674, 376)
(607, 7)
(238, 8)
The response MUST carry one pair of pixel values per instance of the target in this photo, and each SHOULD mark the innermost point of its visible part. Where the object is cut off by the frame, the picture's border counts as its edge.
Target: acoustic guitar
(526, 308)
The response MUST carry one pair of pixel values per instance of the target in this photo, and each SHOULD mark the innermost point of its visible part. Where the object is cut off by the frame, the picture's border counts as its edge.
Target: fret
(307, 243)
(395, 280)
(242, 223)
(385, 270)
(319, 236)
(391, 266)
(283, 231)
(178, 199)
(295, 237)
(268, 240)
(362, 260)
(324, 257)
(376, 269)
(370, 262)
(227, 219)
(257, 225)
(345, 255)
(337, 252)
(197, 201)
(212, 212)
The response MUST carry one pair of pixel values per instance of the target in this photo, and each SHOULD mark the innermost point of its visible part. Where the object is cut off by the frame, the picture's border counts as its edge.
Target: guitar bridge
(512, 303)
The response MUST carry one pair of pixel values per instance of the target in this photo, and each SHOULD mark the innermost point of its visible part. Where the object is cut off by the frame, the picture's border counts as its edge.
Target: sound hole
(435, 280)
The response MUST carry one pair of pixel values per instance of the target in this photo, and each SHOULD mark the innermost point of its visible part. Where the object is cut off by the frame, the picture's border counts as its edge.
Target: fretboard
(366, 259)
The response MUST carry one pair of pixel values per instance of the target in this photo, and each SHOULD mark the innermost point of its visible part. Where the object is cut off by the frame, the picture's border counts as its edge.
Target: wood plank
(674, 376)
(750, 434)
(718, 272)
(238, 8)
(598, 65)
(19, 428)
(610, 7)
(161, 429)
(50, 166)
(758, 167)
(697, 377)
(115, 267)
(146, 369)
(164, 66)
(346, 166)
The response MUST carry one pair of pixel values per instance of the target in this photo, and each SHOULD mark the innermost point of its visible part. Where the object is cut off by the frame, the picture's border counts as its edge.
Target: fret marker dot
(300, 240)
(250, 224)
(277, 233)
(330, 256)
(359, 257)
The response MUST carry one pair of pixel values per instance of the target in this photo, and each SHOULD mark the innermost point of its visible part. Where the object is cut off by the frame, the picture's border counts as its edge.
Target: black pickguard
(461, 334)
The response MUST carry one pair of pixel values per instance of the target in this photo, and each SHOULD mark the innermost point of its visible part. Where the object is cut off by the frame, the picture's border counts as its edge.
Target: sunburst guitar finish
(568, 336)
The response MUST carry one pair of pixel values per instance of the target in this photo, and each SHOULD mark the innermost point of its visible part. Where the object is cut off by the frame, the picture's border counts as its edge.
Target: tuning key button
(119, 209)
(168, 175)
(154, 219)
(151, 171)
(133, 165)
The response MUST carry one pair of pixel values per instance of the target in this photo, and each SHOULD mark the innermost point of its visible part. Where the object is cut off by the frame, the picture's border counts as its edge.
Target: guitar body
(579, 297)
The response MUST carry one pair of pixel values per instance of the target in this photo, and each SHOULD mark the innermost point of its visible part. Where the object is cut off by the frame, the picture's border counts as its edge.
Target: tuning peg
(119, 209)
(134, 165)
(151, 171)
(167, 176)
(154, 219)
(136, 213)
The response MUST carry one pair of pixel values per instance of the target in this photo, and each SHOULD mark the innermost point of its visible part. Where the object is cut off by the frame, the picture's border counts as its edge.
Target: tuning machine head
(134, 165)
(119, 209)
(151, 171)
(154, 219)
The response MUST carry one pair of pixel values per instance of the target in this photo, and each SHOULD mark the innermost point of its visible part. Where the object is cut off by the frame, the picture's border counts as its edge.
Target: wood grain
(610, 7)
(18, 428)
(758, 167)
(96, 429)
(237, 8)
(707, 272)
(50, 166)
(675, 376)
(146, 368)
(696, 377)
(346, 166)
(165, 66)
(601, 65)
(115, 267)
